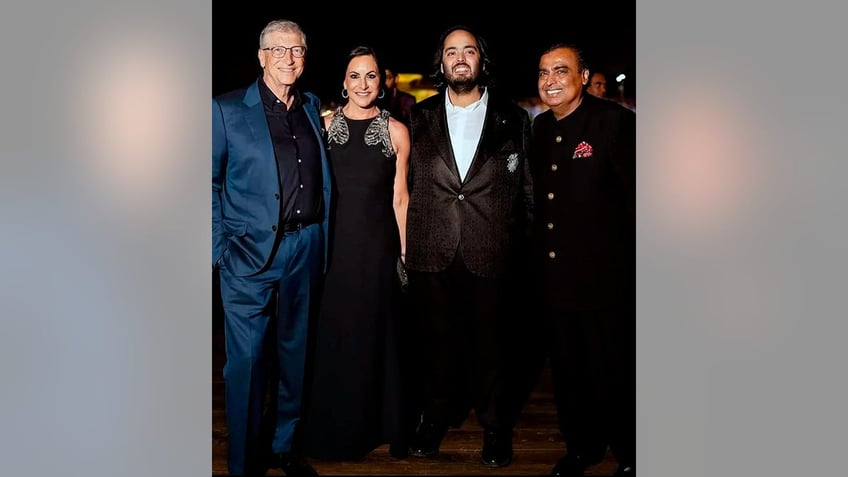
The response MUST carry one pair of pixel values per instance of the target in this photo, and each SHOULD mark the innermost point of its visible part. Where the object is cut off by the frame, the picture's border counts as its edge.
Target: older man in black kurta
(583, 169)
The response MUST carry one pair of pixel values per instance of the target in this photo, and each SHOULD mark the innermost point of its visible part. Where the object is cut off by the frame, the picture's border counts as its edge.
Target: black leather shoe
(294, 465)
(497, 448)
(427, 439)
(569, 466)
(625, 470)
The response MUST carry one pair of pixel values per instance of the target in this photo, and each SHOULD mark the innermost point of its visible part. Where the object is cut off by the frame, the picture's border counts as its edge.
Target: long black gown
(354, 401)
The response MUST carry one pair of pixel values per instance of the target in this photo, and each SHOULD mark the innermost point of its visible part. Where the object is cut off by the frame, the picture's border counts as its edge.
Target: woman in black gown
(355, 399)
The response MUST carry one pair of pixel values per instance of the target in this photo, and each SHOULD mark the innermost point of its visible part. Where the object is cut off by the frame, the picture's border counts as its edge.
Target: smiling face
(281, 72)
(461, 61)
(362, 81)
(561, 80)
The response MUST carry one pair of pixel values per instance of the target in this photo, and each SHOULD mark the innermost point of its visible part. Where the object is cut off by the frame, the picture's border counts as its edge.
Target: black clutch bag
(403, 277)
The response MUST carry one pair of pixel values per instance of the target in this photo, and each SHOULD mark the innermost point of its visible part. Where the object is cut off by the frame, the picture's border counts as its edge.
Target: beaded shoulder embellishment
(378, 132)
(338, 132)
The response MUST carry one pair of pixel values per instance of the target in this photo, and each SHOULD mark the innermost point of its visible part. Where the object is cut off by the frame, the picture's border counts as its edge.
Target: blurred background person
(355, 397)
(583, 166)
(398, 103)
(597, 85)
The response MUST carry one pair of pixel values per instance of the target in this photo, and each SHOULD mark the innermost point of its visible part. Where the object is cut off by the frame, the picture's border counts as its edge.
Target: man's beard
(462, 85)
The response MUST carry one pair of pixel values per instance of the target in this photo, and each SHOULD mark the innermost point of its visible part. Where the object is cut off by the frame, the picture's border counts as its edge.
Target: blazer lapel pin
(512, 162)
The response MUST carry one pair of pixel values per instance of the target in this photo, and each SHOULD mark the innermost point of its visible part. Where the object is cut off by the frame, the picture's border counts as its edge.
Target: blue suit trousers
(291, 276)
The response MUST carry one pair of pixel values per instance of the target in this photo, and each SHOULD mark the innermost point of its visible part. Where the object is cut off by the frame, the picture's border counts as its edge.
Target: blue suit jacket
(245, 180)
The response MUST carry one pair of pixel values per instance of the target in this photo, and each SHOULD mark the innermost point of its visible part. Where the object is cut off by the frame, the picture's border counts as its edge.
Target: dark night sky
(606, 31)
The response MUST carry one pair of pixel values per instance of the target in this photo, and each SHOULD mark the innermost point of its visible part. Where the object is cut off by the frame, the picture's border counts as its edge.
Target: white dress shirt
(465, 126)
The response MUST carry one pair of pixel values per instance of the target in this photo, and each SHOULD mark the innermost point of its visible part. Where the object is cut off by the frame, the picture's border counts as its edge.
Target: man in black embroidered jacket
(470, 205)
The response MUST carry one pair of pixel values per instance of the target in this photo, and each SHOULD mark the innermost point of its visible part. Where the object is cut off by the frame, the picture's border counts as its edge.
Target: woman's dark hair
(485, 77)
(364, 51)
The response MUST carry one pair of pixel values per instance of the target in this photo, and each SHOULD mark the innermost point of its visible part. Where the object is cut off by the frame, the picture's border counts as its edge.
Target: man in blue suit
(270, 203)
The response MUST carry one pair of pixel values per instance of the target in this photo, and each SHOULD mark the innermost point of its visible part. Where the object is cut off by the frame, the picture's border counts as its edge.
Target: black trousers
(593, 368)
(459, 341)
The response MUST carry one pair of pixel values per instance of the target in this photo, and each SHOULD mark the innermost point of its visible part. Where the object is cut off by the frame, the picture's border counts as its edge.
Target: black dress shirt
(298, 159)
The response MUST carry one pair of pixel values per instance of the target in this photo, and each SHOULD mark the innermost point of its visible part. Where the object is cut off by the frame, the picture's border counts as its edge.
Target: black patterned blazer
(484, 218)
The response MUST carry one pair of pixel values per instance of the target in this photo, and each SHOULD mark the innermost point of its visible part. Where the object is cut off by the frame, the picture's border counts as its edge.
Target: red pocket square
(584, 149)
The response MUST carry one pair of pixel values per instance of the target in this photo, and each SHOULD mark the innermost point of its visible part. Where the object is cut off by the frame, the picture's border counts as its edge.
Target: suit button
(274, 228)
(461, 197)
(552, 254)
(550, 225)
(550, 196)
(553, 167)
(558, 139)
(277, 196)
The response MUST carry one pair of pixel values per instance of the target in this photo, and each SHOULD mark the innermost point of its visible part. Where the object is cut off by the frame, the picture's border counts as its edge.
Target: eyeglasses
(280, 51)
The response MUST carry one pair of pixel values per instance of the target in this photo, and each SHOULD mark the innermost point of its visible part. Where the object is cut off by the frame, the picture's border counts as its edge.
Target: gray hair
(282, 26)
